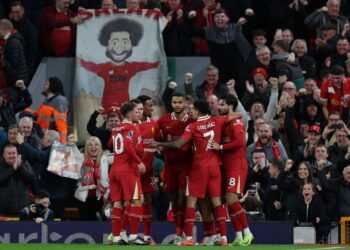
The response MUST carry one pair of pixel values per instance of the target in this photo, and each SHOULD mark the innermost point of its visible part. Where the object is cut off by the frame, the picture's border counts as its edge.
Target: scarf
(90, 174)
(275, 149)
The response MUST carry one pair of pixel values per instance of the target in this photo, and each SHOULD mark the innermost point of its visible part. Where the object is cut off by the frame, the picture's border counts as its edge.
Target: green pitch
(166, 247)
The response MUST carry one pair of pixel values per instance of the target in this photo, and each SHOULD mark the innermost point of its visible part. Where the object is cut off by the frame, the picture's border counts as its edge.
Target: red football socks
(116, 220)
(135, 215)
(125, 218)
(147, 219)
(220, 216)
(238, 216)
(180, 221)
(189, 220)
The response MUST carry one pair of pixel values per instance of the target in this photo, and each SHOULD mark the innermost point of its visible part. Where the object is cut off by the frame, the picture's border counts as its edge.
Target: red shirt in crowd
(58, 32)
(333, 95)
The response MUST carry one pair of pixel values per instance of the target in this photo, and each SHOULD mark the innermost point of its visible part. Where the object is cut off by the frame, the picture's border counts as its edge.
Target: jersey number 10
(118, 144)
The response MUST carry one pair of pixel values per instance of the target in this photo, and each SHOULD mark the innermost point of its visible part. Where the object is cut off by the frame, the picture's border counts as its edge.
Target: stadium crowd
(280, 74)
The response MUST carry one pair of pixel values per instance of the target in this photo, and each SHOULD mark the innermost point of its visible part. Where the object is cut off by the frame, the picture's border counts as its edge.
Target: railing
(345, 230)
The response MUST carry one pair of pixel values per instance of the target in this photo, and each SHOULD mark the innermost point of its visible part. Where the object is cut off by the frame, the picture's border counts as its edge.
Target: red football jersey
(124, 144)
(200, 132)
(149, 132)
(234, 143)
(333, 95)
(171, 129)
(139, 147)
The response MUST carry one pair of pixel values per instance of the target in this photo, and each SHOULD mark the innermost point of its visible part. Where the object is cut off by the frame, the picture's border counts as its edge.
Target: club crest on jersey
(130, 134)
(237, 122)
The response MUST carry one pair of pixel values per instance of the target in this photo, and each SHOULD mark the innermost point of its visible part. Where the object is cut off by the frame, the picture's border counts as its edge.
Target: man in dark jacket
(15, 178)
(329, 14)
(274, 196)
(285, 67)
(176, 37)
(307, 63)
(15, 63)
(28, 32)
(8, 109)
(60, 188)
(211, 85)
(104, 132)
(228, 48)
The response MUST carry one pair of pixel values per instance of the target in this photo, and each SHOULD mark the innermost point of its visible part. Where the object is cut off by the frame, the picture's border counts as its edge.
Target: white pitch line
(323, 248)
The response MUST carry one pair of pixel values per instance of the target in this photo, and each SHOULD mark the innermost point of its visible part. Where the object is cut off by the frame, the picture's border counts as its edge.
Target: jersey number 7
(211, 135)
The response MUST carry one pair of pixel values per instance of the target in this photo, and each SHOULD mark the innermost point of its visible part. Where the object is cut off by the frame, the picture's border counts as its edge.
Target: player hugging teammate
(194, 149)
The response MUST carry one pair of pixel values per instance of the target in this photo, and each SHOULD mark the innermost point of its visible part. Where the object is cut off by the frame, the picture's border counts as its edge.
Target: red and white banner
(120, 56)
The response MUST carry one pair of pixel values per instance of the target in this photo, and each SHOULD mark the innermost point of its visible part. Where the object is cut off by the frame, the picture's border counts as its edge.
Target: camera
(336, 126)
(252, 190)
(39, 208)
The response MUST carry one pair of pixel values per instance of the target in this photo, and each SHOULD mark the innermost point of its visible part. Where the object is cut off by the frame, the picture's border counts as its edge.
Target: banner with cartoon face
(119, 56)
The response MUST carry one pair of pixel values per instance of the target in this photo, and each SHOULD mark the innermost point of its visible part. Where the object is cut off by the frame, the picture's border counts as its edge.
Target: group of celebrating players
(204, 156)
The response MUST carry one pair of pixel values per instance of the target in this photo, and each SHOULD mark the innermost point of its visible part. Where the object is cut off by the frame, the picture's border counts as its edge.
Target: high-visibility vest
(52, 114)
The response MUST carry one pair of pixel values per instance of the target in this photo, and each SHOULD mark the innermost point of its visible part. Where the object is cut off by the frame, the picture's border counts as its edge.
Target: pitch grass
(166, 247)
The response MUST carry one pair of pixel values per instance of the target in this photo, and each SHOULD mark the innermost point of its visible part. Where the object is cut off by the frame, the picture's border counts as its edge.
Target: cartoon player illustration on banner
(119, 36)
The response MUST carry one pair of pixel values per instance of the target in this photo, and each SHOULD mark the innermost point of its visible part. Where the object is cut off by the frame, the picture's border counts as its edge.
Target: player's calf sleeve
(220, 216)
(125, 218)
(135, 215)
(147, 219)
(237, 212)
(180, 221)
(189, 220)
(116, 220)
(241, 215)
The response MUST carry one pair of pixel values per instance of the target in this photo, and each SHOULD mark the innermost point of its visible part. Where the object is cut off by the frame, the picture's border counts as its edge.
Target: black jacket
(9, 109)
(27, 214)
(308, 66)
(316, 209)
(274, 192)
(220, 90)
(341, 190)
(15, 63)
(100, 132)
(282, 67)
(14, 187)
(58, 187)
(229, 51)
(176, 36)
(30, 36)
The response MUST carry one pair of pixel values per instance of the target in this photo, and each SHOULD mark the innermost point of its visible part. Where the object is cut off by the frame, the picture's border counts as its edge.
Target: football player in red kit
(235, 164)
(204, 176)
(124, 175)
(149, 132)
(177, 161)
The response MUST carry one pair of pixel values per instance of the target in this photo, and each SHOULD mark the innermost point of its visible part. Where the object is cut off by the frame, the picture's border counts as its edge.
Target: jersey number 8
(232, 182)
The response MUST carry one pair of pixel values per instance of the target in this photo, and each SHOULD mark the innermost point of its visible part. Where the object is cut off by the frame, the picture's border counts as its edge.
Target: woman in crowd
(309, 207)
(293, 183)
(92, 188)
